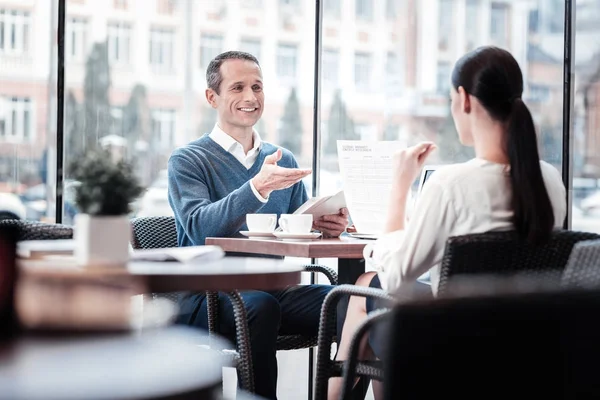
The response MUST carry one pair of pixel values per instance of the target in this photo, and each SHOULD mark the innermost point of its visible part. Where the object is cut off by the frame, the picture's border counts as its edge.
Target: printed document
(366, 169)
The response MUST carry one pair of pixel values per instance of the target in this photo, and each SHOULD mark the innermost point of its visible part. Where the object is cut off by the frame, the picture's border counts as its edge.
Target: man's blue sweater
(210, 193)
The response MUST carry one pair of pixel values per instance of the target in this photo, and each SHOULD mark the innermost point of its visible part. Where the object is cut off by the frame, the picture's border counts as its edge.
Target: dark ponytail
(493, 76)
(533, 216)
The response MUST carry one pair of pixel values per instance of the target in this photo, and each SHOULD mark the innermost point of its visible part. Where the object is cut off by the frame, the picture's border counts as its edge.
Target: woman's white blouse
(472, 197)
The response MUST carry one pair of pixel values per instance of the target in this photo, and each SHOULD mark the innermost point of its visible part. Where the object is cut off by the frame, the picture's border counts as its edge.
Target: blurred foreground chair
(468, 263)
(160, 232)
(34, 230)
(503, 254)
(583, 268)
(531, 345)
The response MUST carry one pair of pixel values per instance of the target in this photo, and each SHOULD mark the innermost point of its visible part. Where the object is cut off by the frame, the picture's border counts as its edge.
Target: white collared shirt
(236, 149)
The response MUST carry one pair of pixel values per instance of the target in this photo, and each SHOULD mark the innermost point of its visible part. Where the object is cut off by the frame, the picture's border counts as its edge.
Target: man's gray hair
(213, 72)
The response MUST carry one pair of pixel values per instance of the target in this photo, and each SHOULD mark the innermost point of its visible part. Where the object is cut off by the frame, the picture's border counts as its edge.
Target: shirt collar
(228, 143)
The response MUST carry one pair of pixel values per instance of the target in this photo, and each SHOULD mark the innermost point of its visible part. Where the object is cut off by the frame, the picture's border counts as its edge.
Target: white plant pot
(102, 241)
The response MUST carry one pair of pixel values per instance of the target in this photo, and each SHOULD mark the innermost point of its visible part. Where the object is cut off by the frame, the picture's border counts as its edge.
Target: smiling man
(216, 180)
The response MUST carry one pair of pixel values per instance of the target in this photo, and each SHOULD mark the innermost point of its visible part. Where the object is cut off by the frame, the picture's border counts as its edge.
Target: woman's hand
(408, 164)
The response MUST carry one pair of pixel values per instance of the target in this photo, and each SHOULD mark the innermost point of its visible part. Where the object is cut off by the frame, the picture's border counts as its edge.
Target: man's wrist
(260, 189)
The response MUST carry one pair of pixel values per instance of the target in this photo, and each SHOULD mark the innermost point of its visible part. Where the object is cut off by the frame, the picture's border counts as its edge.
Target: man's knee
(264, 311)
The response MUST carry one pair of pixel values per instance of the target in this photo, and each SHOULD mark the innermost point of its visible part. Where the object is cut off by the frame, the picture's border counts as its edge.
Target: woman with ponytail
(505, 187)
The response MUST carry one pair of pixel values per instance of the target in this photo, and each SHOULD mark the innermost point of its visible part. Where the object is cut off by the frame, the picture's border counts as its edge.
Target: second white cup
(296, 223)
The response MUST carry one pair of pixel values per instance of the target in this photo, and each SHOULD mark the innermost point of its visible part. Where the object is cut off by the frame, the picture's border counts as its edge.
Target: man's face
(241, 98)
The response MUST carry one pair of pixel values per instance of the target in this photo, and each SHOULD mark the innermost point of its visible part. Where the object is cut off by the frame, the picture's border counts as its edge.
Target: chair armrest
(328, 272)
(327, 329)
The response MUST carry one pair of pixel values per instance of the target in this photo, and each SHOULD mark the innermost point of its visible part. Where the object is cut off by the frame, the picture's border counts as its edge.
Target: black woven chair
(160, 232)
(583, 267)
(466, 258)
(541, 345)
(503, 254)
(34, 230)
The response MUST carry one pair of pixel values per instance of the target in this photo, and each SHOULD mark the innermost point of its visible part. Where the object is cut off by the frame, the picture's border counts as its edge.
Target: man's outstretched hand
(273, 177)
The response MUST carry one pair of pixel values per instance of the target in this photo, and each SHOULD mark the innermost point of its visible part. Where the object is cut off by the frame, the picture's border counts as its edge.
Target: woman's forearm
(397, 209)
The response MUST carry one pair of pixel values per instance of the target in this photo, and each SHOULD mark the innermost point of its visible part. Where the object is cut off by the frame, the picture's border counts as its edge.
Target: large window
(14, 31)
(162, 45)
(119, 42)
(586, 115)
(397, 85)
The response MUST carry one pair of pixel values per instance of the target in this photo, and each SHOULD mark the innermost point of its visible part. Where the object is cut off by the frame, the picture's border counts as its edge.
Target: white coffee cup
(296, 223)
(261, 222)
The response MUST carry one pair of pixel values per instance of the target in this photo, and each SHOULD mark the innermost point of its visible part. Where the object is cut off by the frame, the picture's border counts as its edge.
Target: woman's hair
(493, 76)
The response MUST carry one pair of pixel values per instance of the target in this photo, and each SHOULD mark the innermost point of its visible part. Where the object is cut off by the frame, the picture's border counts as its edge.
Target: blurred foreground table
(156, 364)
(225, 274)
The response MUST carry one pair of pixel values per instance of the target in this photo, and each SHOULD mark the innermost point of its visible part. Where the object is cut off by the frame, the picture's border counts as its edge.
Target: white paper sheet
(366, 169)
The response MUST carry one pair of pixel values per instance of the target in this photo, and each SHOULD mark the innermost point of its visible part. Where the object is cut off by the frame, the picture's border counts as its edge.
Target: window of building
(165, 7)
(499, 24)
(364, 9)
(162, 44)
(539, 93)
(286, 61)
(471, 24)
(16, 119)
(77, 33)
(252, 3)
(391, 9)
(289, 3)
(163, 127)
(120, 4)
(252, 46)
(210, 47)
(362, 71)
(332, 8)
(393, 74)
(330, 67)
(14, 32)
(119, 42)
(445, 14)
(443, 78)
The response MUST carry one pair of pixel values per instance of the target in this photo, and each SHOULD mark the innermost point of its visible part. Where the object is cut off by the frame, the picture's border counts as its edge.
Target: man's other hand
(332, 225)
(272, 177)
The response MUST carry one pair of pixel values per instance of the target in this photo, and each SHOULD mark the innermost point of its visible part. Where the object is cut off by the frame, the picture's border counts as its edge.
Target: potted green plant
(103, 194)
